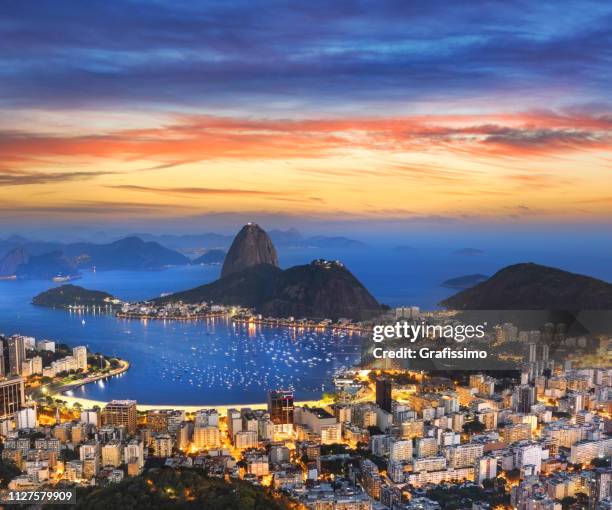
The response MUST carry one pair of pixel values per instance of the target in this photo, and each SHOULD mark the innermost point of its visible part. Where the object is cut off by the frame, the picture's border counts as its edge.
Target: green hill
(169, 489)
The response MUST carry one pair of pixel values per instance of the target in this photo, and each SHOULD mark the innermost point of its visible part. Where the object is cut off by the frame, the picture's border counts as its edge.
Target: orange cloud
(198, 138)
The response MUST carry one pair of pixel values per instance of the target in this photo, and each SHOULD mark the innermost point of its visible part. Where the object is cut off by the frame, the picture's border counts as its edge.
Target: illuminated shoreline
(189, 408)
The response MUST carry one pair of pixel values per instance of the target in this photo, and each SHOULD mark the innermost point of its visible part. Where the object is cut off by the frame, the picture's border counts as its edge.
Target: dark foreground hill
(171, 489)
(319, 289)
(531, 286)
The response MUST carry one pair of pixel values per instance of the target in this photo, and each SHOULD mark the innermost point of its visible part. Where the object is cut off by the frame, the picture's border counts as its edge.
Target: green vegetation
(451, 497)
(473, 427)
(601, 462)
(178, 489)
(8, 471)
(72, 295)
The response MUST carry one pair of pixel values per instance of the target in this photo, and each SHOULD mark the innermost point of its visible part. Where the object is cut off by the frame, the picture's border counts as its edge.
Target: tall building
(281, 408)
(134, 452)
(12, 397)
(234, 423)
(80, 355)
(383, 394)
(111, 454)
(37, 365)
(486, 468)
(206, 437)
(157, 420)
(13, 355)
(162, 445)
(400, 450)
(120, 413)
(26, 418)
(526, 398)
(3, 362)
(533, 353)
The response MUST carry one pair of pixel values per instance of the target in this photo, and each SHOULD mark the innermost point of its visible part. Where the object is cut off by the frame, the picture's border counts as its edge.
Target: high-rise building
(162, 445)
(486, 468)
(526, 398)
(234, 423)
(133, 452)
(13, 355)
(533, 353)
(400, 450)
(464, 455)
(120, 413)
(383, 394)
(206, 437)
(157, 420)
(12, 396)
(280, 407)
(37, 365)
(79, 353)
(111, 454)
(26, 418)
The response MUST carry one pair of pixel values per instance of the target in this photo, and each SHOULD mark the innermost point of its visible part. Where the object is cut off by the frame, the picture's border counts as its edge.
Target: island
(464, 282)
(73, 297)
(469, 252)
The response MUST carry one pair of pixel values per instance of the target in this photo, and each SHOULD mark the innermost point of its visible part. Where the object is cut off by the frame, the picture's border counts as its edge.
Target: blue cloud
(315, 56)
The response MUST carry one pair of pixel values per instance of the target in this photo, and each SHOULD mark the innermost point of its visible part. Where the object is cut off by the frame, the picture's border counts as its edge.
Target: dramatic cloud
(19, 178)
(439, 110)
(197, 191)
(321, 55)
(197, 138)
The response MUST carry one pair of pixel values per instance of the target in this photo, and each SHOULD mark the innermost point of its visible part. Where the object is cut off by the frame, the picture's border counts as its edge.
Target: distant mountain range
(35, 260)
(46, 266)
(252, 278)
(136, 252)
(214, 256)
(290, 238)
(531, 286)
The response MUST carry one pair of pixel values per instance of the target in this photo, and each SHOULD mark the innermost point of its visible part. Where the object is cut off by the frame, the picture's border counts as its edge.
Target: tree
(567, 502)
(8, 471)
(599, 462)
(473, 427)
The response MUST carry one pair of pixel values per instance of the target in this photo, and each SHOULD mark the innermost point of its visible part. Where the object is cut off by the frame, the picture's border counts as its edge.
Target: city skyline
(396, 113)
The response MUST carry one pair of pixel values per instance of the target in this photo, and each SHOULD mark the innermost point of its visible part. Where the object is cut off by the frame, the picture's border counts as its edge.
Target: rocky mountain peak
(251, 247)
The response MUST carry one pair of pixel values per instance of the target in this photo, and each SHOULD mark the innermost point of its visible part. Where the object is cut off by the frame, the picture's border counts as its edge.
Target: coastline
(191, 408)
(59, 393)
(275, 322)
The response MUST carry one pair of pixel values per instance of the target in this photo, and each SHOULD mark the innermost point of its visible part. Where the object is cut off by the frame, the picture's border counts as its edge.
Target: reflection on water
(200, 362)
(216, 361)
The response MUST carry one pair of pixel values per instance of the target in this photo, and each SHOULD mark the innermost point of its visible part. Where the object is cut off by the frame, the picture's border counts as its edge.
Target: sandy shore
(222, 409)
(88, 403)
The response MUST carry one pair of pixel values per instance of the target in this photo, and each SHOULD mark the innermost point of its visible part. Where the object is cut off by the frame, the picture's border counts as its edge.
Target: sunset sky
(481, 113)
